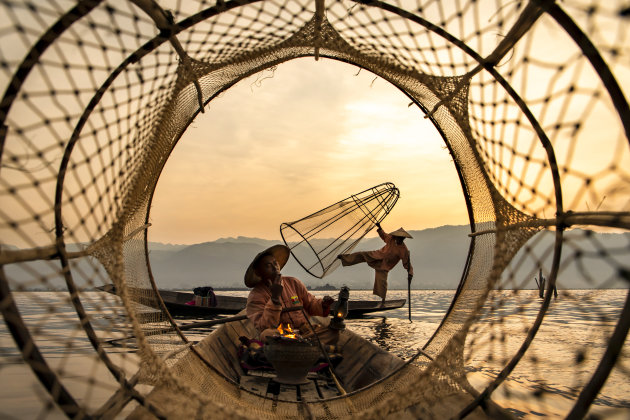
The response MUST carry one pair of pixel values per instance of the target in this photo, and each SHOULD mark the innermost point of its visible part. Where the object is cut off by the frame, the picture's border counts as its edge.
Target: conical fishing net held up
(530, 98)
(317, 239)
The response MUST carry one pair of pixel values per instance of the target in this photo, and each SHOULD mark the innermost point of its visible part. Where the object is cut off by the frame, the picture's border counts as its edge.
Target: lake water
(561, 359)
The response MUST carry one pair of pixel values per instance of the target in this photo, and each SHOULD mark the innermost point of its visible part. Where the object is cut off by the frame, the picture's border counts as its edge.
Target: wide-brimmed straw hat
(280, 253)
(401, 233)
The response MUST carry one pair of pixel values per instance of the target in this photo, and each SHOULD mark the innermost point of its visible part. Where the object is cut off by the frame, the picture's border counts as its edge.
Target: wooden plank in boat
(364, 362)
(214, 356)
(223, 351)
(344, 336)
(231, 346)
(317, 388)
(220, 359)
(356, 371)
(242, 328)
(379, 365)
(355, 355)
(230, 351)
(250, 329)
(233, 332)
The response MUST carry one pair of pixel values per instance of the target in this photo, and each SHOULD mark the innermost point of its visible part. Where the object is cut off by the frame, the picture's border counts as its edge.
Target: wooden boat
(213, 366)
(176, 304)
(362, 364)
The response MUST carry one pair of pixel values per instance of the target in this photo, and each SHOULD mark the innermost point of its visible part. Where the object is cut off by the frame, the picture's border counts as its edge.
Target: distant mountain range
(438, 256)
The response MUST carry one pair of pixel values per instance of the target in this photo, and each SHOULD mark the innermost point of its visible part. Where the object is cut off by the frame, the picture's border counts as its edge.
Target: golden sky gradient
(275, 149)
(281, 145)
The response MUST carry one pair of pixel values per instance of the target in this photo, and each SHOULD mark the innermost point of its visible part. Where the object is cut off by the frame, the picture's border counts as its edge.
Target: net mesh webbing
(528, 96)
(317, 239)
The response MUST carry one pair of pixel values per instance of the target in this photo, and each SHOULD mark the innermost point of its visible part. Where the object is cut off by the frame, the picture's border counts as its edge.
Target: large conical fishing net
(317, 239)
(529, 98)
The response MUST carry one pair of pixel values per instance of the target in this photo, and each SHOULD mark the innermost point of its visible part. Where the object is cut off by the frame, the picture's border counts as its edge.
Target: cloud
(279, 150)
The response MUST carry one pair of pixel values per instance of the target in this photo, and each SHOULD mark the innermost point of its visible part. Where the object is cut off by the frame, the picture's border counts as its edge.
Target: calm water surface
(579, 322)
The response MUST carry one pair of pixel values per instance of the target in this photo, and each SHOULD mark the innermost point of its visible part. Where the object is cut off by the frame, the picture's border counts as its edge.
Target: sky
(283, 144)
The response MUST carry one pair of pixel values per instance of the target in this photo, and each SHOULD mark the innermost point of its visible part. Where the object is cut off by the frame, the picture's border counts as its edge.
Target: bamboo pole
(409, 297)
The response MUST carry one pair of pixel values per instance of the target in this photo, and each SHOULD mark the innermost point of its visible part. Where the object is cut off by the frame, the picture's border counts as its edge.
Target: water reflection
(383, 334)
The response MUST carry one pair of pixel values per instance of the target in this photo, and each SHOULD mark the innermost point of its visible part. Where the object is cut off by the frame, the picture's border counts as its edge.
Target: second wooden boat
(176, 302)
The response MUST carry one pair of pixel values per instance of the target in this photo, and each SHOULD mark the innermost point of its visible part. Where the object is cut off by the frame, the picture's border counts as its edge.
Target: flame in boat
(286, 332)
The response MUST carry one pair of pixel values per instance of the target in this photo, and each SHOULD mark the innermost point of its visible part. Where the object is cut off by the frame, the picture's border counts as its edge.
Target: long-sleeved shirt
(390, 254)
(266, 314)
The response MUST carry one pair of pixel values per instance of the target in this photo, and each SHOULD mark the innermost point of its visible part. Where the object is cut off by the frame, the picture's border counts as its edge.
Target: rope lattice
(317, 239)
(528, 96)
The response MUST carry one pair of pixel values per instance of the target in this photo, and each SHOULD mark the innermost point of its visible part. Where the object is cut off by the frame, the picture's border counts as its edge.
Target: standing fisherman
(384, 259)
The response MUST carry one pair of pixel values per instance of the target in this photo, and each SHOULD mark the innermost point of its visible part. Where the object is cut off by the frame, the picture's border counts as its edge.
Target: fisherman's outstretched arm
(384, 236)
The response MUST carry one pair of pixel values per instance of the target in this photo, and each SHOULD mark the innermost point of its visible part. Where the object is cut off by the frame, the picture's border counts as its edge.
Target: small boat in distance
(176, 303)
(326, 287)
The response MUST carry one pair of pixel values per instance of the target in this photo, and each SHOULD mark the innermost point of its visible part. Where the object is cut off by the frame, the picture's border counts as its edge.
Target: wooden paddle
(409, 296)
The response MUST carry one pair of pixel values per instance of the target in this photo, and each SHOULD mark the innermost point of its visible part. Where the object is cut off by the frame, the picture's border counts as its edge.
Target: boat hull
(176, 304)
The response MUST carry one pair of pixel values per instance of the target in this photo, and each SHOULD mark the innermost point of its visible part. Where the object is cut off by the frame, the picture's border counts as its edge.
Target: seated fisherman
(271, 292)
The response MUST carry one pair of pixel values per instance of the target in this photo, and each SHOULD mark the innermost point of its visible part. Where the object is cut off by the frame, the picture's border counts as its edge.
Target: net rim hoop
(388, 187)
(395, 192)
(287, 225)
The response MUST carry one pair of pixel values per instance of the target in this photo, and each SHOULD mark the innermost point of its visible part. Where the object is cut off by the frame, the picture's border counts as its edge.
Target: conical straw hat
(281, 254)
(402, 233)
